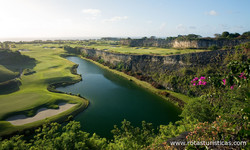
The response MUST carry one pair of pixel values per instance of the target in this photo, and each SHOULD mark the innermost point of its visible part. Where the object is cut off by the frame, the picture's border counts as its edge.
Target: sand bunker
(23, 50)
(42, 113)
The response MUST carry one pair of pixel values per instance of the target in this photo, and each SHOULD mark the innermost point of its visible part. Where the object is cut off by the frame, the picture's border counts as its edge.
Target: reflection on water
(113, 99)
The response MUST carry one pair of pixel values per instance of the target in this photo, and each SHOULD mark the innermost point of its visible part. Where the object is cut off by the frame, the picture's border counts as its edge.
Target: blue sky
(122, 18)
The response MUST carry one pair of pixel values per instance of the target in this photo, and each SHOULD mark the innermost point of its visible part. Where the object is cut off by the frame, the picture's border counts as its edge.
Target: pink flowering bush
(235, 80)
(219, 130)
(199, 81)
(238, 75)
(215, 131)
(242, 75)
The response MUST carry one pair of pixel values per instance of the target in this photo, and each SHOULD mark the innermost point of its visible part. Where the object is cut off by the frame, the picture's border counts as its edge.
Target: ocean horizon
(14, 39)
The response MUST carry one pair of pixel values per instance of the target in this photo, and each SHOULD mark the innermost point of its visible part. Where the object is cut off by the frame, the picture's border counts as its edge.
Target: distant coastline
(27, 39)
(45, 38)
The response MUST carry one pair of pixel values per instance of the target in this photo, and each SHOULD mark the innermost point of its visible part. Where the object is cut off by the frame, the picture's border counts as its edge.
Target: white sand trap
(23, 50)
(42, 113)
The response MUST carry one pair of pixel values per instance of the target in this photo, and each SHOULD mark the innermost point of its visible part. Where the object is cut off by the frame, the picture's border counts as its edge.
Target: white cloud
(116, 18)
(149, 22)
(181, 27)
(162, 26)
(233, 12)
(192, 27)
(224, 26)
(93, 12)
(239, 28)
(212, 13)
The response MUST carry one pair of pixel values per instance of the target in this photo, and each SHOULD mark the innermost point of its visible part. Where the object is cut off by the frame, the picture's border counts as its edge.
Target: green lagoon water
(113, 99)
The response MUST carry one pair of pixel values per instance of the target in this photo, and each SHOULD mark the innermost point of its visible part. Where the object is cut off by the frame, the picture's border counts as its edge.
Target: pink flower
(224, 81)
(202, 78)
(242, 75)
(199, 81)
(196, 78)
(232, 87)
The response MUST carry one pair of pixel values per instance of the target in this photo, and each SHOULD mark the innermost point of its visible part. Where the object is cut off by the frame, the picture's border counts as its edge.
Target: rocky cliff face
(205, 43)
(149, 63)
(199, 43)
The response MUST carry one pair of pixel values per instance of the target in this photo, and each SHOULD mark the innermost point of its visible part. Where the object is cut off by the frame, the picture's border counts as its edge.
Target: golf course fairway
(33, 94)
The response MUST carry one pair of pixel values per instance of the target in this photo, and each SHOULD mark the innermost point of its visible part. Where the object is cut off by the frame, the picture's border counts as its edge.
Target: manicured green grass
(11, 63)
(6, 74)
(33, 93)
(143, 50)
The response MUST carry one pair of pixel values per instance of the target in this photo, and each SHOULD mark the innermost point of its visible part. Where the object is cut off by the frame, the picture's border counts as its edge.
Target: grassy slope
(144, 50)
(6, 74)
(33, 92)
(11, 63)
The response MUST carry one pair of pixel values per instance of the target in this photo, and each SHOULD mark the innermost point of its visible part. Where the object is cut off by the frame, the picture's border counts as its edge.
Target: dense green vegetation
(223, 35)
(228, 35)
(213, 73)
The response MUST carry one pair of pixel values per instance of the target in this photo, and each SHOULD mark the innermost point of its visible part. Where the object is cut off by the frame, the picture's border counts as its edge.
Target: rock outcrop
(150, 63)
(182, 44)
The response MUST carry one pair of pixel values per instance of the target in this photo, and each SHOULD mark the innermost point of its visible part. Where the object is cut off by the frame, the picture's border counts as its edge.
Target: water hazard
(113, 99)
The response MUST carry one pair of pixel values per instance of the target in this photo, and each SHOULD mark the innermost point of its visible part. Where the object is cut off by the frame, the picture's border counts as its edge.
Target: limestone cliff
(197, 43)
(146, 64)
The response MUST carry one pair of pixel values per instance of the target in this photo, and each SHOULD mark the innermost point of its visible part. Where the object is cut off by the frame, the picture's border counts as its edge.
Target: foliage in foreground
(54, 136)
(70, 136)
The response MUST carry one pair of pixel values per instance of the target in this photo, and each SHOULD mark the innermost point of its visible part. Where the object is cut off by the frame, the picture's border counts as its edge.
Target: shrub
(210, 71)
(226, 47)
(101, 61)
(213, 47)
(219, 130)
(199, 109)
(189, 72)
